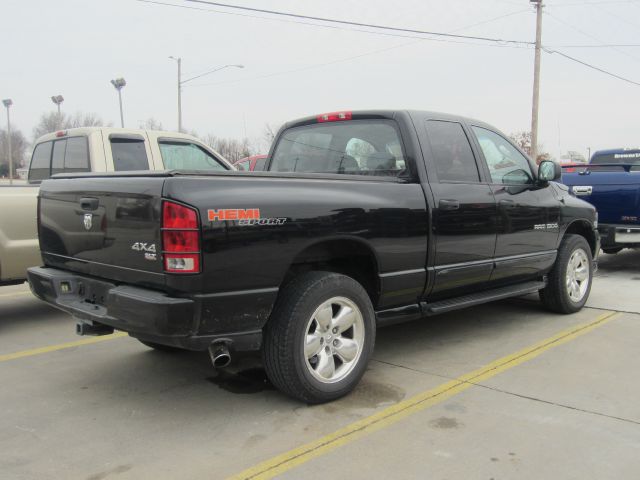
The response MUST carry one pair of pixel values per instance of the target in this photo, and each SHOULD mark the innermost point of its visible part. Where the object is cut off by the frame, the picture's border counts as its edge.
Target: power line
(360, 24)
(606, 72)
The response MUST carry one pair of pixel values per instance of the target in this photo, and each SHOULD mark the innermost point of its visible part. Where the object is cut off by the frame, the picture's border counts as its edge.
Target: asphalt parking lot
(503, 391)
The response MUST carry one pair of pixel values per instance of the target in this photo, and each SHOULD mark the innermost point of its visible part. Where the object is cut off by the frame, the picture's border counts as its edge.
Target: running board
(444, 306)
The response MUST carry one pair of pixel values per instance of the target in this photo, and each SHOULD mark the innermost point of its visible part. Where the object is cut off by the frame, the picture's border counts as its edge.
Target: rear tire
(570, 278)
(319, 338)
(160, 347)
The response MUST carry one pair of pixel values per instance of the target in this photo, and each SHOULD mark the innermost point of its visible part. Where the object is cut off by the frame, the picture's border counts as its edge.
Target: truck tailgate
(100, 227)
(615, 192)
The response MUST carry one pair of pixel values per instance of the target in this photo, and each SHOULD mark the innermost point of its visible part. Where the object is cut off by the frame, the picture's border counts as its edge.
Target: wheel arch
(351, 256)
(584, 229)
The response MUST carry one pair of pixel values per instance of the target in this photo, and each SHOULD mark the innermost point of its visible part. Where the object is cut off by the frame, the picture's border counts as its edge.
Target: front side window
(506, 164)
(40, 162)
(452, 154)
(357, 147)
(259, 165)
(187, 156)
(129, 154)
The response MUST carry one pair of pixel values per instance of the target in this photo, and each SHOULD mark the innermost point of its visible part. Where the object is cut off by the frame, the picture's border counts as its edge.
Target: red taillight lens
(334, 117)
(569, 169)
(180, 238)
(181, 241)
(178, 216)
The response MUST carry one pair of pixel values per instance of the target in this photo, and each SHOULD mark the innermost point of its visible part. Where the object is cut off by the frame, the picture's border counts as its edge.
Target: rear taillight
(180, 238)
(334, 117)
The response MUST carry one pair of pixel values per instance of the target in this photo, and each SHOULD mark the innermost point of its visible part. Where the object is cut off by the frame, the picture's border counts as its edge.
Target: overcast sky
(74, 48)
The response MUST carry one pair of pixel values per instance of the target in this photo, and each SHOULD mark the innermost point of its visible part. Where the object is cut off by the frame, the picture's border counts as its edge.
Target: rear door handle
(449, 204)
(507, 203)
(89, 203)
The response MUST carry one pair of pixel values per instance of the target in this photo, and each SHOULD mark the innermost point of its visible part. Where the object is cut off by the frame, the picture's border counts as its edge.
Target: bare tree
(523, 140)
(150, 124)
(19, 147)
(231, 148)
(51, 121)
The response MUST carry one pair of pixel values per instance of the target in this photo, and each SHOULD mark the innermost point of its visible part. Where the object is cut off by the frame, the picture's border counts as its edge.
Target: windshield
(358, 147)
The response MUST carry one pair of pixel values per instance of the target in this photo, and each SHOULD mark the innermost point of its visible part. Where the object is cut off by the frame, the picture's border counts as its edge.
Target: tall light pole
(57, 99)
(182, 82)
(536, 81)
(7, 102)
(118, 83)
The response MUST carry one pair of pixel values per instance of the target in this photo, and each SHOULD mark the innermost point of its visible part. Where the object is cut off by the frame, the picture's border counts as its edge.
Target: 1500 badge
(148, 249)
(244, 216)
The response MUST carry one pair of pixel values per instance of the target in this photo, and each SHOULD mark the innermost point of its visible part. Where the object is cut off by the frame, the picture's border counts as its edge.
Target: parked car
(91, 149)
(611, 182)
(255, 163)
(364, 219)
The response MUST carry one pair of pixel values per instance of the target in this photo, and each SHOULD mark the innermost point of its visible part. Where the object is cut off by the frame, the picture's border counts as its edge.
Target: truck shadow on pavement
(27, 311)
(139, 374)
(627, 261)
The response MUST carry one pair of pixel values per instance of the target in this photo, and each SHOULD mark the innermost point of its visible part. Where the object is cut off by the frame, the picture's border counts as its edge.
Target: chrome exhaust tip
(220, 356)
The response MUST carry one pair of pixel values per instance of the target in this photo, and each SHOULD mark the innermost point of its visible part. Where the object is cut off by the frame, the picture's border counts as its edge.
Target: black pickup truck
(363, 219)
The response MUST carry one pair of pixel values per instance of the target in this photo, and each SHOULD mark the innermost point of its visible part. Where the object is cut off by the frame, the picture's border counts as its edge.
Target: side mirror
(549, 171)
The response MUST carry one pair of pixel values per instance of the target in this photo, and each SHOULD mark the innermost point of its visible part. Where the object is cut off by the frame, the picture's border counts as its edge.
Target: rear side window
(129, 154)
(76, 157)
(452, 154)
(356, 147)
(506, 164)
(187, 156)
(40, 162)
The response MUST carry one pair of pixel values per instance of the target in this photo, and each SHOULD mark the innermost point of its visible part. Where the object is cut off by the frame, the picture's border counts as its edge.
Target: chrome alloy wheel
(578, 275)
(334, 340)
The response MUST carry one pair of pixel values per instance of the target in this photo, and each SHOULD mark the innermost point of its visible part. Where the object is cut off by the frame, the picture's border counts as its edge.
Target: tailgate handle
(449, 204)
(89, 203)
(582, 190)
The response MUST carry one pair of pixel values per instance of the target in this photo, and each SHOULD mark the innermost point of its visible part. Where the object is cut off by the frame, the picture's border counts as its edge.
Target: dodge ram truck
(88, 149)
(363, 219)
(611, 183)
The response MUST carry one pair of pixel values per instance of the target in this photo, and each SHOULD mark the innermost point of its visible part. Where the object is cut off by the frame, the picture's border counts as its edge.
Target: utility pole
(179, 62)
(182, 82)
(536, 81)
(7, 102)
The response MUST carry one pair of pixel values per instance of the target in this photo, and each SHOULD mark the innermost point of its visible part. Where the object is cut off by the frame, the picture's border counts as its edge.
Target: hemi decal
(234, 214)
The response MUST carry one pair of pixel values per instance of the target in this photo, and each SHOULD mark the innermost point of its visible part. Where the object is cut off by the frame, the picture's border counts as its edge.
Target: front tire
(320, 337)
(570, 278)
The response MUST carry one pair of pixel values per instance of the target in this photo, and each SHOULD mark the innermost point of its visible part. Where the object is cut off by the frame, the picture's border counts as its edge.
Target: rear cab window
(603, 160)
(354, 147)
(180, 155)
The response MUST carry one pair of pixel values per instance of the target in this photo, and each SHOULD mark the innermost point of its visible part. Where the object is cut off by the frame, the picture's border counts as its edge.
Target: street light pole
(118, 83)
(182, 82)
(58, 99)
(7, 102)
(536, 82)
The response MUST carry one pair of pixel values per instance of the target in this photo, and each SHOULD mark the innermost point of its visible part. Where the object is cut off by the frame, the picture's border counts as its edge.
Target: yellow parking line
(60, 346)
(288, 460)
(17, 294)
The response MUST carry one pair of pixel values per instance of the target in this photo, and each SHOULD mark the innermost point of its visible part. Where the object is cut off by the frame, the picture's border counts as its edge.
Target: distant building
(22, 173)
(572, 157)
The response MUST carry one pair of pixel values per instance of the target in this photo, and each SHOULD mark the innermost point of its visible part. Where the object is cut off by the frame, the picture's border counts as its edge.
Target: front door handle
(449, 204)
(507, 204)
